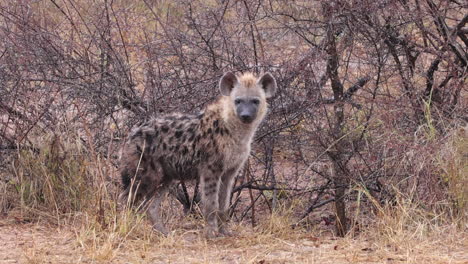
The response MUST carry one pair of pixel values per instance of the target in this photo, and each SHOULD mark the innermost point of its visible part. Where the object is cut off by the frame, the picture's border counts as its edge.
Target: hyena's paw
(225, 231)
(211, 233)
(161, 230)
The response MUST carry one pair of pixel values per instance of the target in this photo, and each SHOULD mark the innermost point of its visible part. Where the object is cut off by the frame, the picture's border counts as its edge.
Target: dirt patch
(34, 243)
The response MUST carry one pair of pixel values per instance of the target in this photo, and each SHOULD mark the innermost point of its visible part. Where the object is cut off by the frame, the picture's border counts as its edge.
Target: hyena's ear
(268, 83)
(227, 82)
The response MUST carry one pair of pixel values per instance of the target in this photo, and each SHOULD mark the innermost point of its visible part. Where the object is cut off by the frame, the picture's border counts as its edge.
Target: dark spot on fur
(204, 156)
(143, 187)
(217, 166)
(176, 148)
(209, 131)
(126, 178)
(164, 129)
(200, 115)
(209, 192)
(215, 123)
(149, 139)
(164, 146)
(209, 179)
(153, 167)
(179, 133)
(185, 150)
(217, 130)
(138, 149)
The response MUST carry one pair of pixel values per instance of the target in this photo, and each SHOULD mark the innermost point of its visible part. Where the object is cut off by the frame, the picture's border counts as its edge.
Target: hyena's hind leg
(145, 192)
(139, 184)
(154, 207)
(154, 186)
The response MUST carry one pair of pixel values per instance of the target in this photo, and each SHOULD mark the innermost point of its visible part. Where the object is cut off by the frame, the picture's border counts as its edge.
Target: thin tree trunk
(336, 153)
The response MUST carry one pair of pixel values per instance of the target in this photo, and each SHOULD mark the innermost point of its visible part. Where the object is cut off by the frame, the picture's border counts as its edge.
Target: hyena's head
(247, 94)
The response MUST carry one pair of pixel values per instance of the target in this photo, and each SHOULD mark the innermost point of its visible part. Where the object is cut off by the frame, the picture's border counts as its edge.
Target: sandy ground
(34, 243)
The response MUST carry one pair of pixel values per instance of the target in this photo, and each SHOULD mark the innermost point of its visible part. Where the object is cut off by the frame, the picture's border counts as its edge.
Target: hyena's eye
(237, 101)
(255, 101)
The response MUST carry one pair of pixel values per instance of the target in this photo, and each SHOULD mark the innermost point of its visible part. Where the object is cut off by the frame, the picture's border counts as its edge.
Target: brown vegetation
(368, 132)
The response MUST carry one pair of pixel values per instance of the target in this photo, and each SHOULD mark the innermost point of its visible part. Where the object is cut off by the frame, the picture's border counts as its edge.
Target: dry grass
(399, 235)
(268, 243)
(65, 213)
(57, 201)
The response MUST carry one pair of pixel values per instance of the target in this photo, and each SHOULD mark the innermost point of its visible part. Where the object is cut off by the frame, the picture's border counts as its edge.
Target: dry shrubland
(366, 139)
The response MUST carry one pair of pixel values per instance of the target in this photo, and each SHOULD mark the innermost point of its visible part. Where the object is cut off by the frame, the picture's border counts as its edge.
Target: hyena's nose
(246, 118)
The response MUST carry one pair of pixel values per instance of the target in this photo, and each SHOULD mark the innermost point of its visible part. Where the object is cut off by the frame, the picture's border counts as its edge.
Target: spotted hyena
(212, 145)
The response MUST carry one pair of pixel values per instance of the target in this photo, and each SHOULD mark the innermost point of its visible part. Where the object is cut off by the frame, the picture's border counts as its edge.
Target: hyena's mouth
(246, 119)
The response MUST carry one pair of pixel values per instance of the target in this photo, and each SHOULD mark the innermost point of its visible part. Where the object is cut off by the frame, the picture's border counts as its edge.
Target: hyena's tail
(130, 175)
(126, 179)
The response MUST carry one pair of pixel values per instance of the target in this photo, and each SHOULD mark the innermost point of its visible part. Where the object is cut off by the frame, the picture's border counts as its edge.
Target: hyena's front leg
(209, 182)
(227, 181)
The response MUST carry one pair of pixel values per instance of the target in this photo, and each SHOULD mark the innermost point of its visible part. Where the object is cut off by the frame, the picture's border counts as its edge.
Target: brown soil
(35, 243)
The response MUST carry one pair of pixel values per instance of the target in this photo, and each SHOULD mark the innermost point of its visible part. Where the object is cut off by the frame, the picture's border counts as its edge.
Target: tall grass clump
(415, 218)
(453, 164)
(53, 179)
